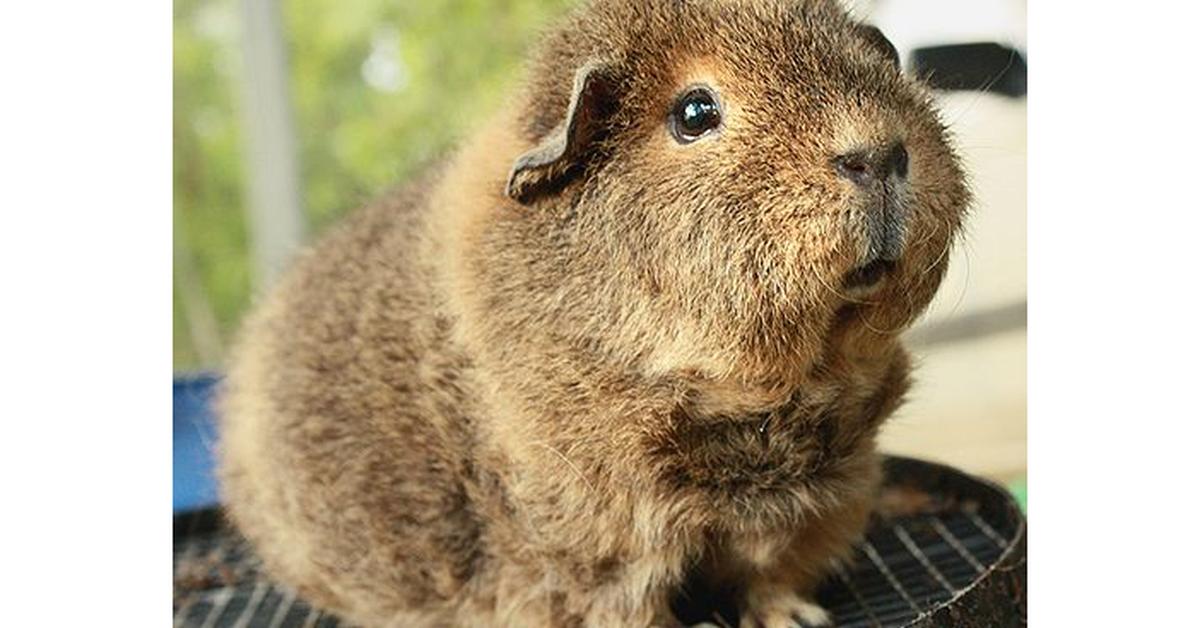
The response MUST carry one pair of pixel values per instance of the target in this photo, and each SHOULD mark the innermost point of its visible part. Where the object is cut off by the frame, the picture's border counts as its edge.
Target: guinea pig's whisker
(841, 295)
(885, 332)
(927, 237)
(962, 292)
(940, 257)
(829, 287)
(568, 462)
(984, 87)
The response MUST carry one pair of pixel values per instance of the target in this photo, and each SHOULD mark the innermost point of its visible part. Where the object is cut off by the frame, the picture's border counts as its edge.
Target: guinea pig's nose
(865, 167)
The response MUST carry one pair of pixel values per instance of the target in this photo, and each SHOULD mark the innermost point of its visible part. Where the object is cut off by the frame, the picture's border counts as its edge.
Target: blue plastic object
(195, 433)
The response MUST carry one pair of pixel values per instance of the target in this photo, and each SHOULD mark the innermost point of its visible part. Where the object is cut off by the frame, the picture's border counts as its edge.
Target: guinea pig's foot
(780, 607)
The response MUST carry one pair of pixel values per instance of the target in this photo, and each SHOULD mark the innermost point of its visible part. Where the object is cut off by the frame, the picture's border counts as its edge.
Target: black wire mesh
(910, 565)
(907, 567)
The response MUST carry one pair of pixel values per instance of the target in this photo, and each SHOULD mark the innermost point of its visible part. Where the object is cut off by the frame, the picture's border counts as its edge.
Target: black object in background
(987, 67)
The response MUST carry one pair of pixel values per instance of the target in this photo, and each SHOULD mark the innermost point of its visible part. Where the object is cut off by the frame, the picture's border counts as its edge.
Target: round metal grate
(944, 549)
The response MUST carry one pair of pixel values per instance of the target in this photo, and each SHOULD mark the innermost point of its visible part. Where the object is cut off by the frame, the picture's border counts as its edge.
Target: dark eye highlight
(695, 115)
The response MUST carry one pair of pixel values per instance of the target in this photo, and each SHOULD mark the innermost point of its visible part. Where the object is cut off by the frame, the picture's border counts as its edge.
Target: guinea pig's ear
(880, 42)
(563, 152)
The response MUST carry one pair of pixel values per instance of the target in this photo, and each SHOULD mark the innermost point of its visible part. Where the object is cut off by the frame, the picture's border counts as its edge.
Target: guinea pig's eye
(695, 114)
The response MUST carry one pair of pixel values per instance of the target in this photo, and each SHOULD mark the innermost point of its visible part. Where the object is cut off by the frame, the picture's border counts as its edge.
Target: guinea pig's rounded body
(643, 326)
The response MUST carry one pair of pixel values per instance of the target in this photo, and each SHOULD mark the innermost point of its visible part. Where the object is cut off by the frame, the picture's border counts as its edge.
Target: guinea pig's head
(721, 186)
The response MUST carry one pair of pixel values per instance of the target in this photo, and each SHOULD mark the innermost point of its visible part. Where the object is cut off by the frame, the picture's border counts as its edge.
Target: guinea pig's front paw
(774, 606)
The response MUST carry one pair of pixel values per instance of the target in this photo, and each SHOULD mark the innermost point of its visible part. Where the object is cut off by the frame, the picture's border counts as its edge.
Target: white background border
(85, 320)
(85, 257)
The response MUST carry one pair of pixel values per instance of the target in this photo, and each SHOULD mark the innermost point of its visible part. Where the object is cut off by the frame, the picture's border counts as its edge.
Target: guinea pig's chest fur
(751, 463)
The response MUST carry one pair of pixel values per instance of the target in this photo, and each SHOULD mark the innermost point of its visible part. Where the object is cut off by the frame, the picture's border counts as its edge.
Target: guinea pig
(643, 326)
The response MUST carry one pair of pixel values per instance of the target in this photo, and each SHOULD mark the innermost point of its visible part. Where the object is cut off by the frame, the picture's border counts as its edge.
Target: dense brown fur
(465, 409)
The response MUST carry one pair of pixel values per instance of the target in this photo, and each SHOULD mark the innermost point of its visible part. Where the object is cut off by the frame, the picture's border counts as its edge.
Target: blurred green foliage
(379, 87)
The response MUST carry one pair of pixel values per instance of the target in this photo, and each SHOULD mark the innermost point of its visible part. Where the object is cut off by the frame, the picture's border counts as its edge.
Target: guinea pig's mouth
(868, 274)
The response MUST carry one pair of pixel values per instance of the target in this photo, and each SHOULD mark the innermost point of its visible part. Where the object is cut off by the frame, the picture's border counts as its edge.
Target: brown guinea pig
(642, 327)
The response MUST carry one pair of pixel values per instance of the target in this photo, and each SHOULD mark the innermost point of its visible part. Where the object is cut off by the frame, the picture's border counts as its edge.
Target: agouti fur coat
(583, 359)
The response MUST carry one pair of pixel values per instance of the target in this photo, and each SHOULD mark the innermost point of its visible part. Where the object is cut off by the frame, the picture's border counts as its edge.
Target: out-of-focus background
(289, 113)
(310, 107)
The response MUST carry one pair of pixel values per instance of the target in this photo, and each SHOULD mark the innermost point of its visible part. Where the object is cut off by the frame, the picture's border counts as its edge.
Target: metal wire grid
(219, 583)
(904, 569)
